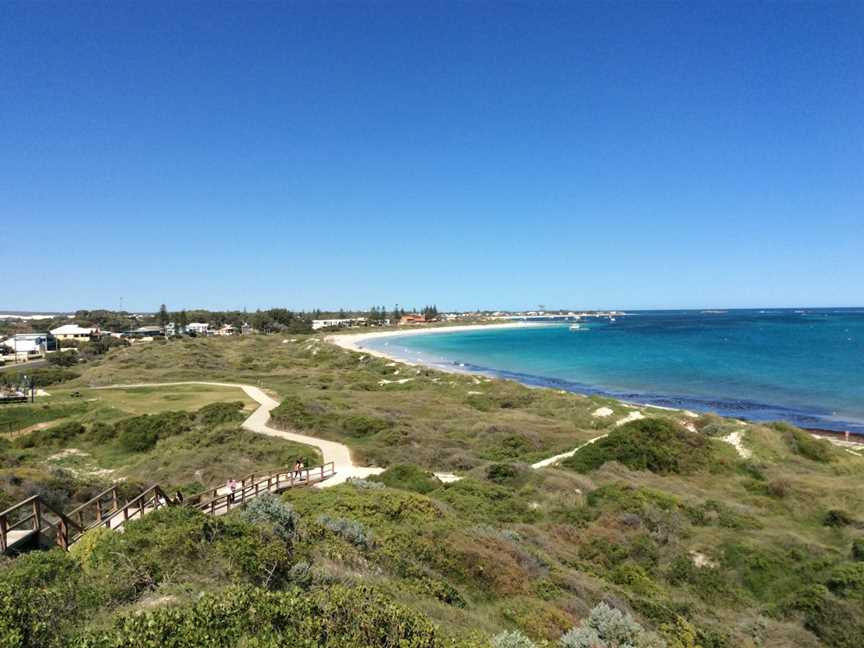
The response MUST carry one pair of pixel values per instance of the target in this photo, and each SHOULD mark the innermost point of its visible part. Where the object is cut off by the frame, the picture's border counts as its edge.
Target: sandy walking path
(333, 451)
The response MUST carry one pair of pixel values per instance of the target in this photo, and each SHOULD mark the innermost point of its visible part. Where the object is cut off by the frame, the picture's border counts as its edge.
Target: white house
(198, 328)
(25, 345)
(325, 323)
(226, 330)
(74, 332)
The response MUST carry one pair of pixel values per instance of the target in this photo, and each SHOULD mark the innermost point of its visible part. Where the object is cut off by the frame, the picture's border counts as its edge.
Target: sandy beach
(354, 341)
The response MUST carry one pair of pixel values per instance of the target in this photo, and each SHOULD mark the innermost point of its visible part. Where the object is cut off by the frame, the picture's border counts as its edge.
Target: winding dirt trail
(333, 451)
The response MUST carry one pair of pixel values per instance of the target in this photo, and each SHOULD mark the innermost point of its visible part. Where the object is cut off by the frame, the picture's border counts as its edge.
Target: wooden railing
(150, 500)
(218, 500)
(103, 510)
(31, 516)
(94, 510)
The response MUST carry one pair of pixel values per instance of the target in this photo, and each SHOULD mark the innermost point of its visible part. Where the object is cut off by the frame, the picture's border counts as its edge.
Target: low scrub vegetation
(658, 445)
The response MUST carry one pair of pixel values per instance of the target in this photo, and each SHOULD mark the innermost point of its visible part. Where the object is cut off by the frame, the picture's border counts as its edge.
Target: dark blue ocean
(802, 366)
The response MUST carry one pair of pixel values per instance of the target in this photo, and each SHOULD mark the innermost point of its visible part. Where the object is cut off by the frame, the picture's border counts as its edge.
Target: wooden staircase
(33, 522)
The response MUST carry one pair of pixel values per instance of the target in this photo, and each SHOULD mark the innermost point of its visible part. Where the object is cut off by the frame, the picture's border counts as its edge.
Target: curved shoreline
(353, 341)
(753, 411)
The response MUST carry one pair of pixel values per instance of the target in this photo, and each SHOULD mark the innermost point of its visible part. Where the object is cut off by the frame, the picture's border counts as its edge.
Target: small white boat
(575, 327)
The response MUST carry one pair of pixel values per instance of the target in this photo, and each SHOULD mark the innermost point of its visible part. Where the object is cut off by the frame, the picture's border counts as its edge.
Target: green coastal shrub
(349, 530)
(485, 502)
(41, 594)
(364, 426)
(54, 435)
(836, 622)
(220, 413)
(654, 444)
(334, 617)
(295, 413)
(606, 627)
(837, 518)
(804, 444)
(101, 432)
(408, 477)
(271, 511)
(712, 425)
(514, 639)
(858, 549)
(140, 433)
(502, 473)
(180, 540)
(41, 377)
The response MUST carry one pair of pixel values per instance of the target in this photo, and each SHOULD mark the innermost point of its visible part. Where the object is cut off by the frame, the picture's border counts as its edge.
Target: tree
(163, 316)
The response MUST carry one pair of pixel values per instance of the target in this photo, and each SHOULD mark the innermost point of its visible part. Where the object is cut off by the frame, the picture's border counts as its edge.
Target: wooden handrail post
(114, 504)
(63, 535)
(3, 530)
(37, 515)
(98, 509)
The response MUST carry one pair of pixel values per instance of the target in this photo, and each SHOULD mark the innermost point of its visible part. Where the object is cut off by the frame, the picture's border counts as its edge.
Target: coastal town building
(198, 328)
(246, 329)
(75, 332)
(227, 329)
(338, 323)
(144, 334)
(25, 346)
(412, 319)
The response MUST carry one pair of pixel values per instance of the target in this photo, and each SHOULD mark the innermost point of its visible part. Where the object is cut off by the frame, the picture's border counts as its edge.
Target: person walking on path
(232, 486)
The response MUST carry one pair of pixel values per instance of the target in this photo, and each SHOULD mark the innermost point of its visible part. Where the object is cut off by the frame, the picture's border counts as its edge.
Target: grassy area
(700, 544)
(113, 404)
(69, 448)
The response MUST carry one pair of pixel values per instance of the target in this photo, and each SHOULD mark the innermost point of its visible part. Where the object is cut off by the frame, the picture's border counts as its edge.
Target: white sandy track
(333, 451)
(338, 453)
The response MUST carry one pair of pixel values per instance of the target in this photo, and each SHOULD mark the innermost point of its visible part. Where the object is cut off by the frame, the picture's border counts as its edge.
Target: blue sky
(492, 155)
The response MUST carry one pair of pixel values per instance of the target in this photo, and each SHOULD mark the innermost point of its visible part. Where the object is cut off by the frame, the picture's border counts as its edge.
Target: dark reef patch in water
(747, 410)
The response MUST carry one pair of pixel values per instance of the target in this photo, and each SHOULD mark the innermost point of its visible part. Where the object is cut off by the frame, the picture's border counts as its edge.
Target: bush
(220, 413)
(805, 444)
(858, 549)
(408, 477)
(55, 435)
(140, 433)
(272, 511)
(101, 432)
(295, 413)
(607, 627)
(837, 518)
(513, 639)
(363, 426)
(41, 377)
(715, 426)
(349, 530)
(847, 580)
(502, 473)
(180, 540)
(336, 616)
(40, 594)
(654, 444)
(63, 359)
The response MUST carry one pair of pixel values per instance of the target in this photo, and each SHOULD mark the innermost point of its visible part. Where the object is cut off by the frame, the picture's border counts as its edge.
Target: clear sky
(482, 154)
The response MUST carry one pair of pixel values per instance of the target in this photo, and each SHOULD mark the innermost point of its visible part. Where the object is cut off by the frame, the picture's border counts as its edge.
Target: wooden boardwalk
(33, 521)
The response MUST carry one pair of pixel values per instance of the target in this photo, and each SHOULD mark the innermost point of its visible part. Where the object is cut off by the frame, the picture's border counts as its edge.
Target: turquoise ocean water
(803, 366)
